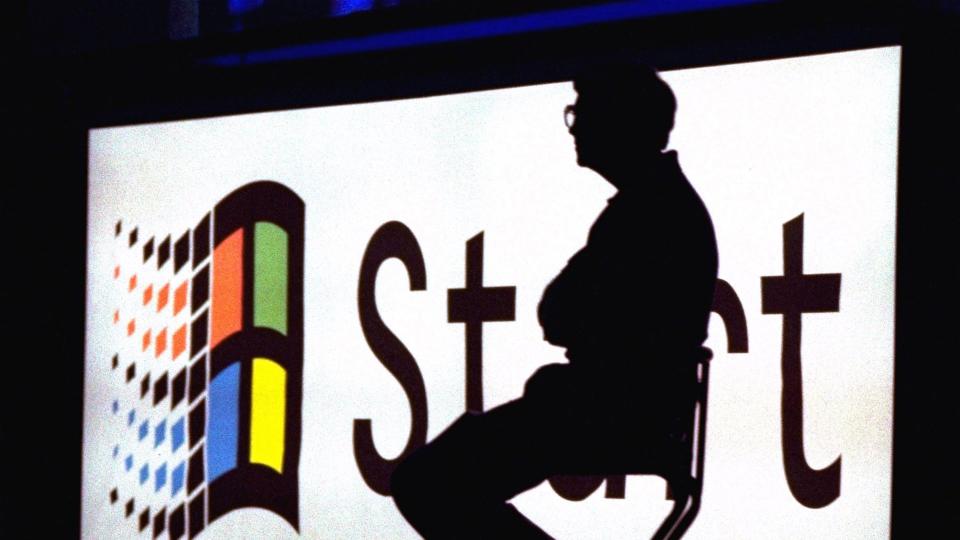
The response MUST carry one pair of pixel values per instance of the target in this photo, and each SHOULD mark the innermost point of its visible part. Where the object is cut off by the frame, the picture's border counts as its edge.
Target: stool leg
(681, 502)
(686, 490)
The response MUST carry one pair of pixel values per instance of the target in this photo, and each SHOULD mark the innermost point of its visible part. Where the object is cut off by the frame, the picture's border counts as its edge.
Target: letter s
(392, 239)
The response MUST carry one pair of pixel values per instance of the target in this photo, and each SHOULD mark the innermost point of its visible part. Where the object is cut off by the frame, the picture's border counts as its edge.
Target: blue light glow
(240, 7)
(343, 7)
(551, 20)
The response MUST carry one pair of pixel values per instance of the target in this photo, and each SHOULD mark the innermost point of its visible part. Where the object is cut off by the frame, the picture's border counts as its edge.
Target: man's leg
(457, 485)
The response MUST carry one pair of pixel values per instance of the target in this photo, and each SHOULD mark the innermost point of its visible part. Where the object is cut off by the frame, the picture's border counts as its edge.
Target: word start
(790, 295)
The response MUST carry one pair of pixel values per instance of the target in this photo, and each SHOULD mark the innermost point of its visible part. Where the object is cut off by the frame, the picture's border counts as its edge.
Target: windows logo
(209, 363)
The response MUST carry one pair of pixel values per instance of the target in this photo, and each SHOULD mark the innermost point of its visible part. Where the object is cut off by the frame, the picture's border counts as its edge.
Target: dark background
(69, 65)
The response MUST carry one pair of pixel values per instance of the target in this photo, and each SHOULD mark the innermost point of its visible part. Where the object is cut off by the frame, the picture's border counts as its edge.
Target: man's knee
(433, 470)
(422, 478)
(427, 496)
(406, 482)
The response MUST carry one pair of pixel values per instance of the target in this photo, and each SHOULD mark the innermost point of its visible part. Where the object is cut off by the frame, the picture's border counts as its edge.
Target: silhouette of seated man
(631, 309)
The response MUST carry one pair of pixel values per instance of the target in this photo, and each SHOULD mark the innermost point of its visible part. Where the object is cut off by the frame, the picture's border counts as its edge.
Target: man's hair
(633, 92)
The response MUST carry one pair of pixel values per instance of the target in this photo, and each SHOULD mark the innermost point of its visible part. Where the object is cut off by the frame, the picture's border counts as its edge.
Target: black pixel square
(198, 422)
(114, 496)
(195, 474)
(177, 523)
(115, 361)
(159, 522)
(198, 378)
(148, 250)
(144, 519)
(201, 241)
(198, 513)
(178, 388)
(163, 252)
(128, 509)
(181, 252)
(201, 289)
(118, 228)
(144, 385)
(131, 372)
(160, 389)
(198, 334)
(133, 237)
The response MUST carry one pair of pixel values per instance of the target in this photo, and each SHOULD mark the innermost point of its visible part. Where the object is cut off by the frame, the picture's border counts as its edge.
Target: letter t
(791, 295)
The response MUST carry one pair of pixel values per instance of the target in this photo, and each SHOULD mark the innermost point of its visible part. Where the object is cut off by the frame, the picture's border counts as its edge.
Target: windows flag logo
(209, 365)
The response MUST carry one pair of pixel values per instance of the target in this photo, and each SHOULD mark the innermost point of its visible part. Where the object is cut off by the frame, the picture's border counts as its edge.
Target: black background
(67, 66)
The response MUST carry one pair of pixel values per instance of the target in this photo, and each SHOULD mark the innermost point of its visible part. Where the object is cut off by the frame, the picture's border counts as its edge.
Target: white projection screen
(223, 385)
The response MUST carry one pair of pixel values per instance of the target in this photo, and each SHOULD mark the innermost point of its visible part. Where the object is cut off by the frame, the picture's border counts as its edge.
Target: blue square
(176, 478)
(160, 433)
(176, 434)
(131, 417)
(116, 450)
(160, 477)
(115, 407)
(144, 474)
(128, 462)
(144, 430)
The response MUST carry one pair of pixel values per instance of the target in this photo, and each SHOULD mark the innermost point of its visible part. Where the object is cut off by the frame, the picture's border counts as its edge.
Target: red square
(179, 341)
(161, 343)
(180, 298)
(162, 297)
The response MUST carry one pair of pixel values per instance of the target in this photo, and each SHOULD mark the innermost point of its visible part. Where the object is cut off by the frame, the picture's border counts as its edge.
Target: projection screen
(230, 388)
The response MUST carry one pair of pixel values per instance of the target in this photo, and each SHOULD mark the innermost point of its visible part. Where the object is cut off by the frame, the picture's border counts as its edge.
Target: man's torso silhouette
(631, 308)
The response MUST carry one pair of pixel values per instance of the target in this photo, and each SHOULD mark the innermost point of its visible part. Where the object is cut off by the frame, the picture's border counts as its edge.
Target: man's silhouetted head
(624, 112)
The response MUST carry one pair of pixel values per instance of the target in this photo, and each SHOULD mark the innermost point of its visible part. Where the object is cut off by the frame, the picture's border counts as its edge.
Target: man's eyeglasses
(569, 115)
